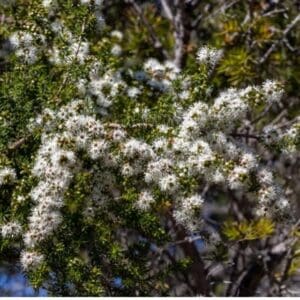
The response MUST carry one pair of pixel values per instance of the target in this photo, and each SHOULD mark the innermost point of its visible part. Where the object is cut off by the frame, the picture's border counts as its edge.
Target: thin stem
(246, 135)
(155, 40)
(277, 42)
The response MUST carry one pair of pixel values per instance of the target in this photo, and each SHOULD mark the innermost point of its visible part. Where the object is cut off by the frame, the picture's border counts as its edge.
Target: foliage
(137, 161)
(257, 229)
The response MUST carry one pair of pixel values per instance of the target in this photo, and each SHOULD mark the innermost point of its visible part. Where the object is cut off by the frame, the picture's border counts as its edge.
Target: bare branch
(287, 43)
(167, 9)
(273, 12)
(196, 22)
(17, 143)
(222, 9)
(246, 135)
(262, 114)
(181, 35)
(277, 42)
(155, 40)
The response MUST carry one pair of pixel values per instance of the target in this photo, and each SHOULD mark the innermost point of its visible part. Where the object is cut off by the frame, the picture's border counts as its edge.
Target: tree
(137, 161)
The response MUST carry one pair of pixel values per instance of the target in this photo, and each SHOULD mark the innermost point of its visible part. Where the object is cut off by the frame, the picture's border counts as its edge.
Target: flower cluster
(68, 132)
(175, 165)
(104, 88)
(209, 56)
(7, 175)
(30, 45)
(25, 45)
(204, 150)
(11, 230)
(160, 76)
(31, 260)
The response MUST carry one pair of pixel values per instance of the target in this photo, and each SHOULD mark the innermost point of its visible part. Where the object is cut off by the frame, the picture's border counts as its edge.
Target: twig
(156, 42)
(65, 80)
(277, 42)
(287, 43)
(247, 136)
(17, 143)
(235, 287)
(180, 34)
(262, 114)
(222, 8)
(205, 189)
(134, 126)
(290, 255)
(196, 22)
(167, 9)
(234, 271)
(277, 119)
(289, 123)
(273, 12)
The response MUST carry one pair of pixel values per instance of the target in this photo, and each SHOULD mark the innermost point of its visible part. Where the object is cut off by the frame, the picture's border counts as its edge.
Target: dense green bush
(150, 149)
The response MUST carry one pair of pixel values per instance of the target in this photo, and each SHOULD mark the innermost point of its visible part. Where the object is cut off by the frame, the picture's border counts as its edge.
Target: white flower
(117, 34)
(156, 170)
(163, 128)
(187, 218)
(271, 134)
(97, 149)
(14, 40)
(184, 95)
(154, 66)
(262, 211)
(209, 56)
(273, 91)
(63, 158)
(82, 86)
(28, 54)
(116, 50)
(127, 170)
(200, 147)
(133, 92)
(56, 26)
(11, 230)
(20, 198)
(118, 135)
(217, 177)
(145, 200)
(160, 144)
(198, 113)
(79, 51)
(169, 183)
(237, 178)
(269, 194)
(265, 177)
(193, 202)
(31, 259)
(171, 69)
(7, 175)
(47, 3)
(134, 148)
(229, 108)
(85, 2)
(248, 161)
(283, 204)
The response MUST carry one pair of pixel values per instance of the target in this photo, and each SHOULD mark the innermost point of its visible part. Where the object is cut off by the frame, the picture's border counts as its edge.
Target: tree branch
(247, 136)
(277, 42)
(167, 9)
(155, 40)
(181, 35)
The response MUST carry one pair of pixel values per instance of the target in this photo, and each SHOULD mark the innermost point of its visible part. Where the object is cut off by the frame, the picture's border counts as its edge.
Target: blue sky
(15, 284)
